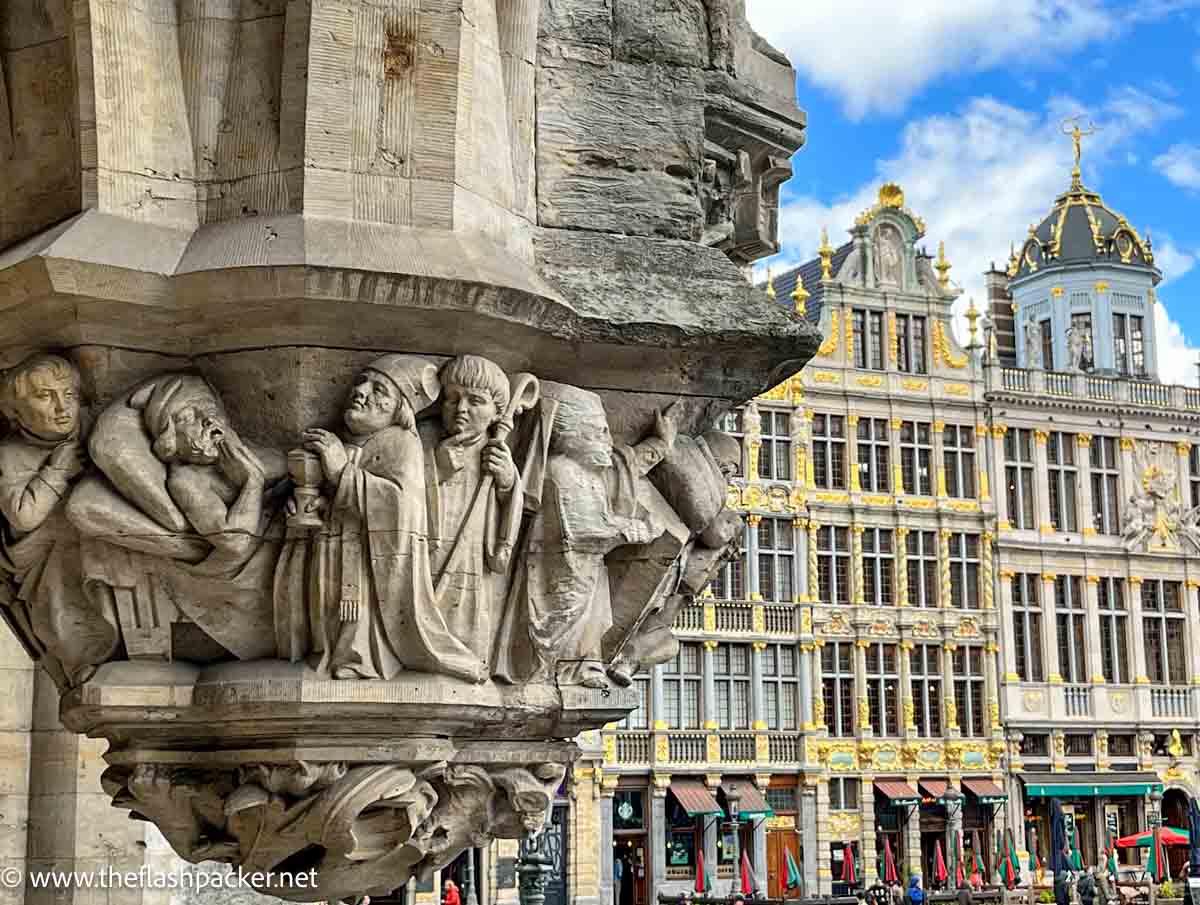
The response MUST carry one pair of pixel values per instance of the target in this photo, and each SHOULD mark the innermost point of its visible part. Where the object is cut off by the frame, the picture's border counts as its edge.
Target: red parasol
(747, 885)
(939, 863)
(890, 874)
(701, 887)
(960, 879)
(848, 875)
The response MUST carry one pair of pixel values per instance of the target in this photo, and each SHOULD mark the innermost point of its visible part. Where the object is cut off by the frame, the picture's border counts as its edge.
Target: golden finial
(770, 284)
(1077, 137)
(1014, 264)
(942, 267)
(972, 317)
(800, 296)
(826, 253)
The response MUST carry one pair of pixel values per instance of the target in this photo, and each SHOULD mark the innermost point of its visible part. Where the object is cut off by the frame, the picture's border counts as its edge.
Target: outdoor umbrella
(1168, 834)
(1014, 866)
(1194, 834)
(1157, 866)
(747, 883)
(1035, 863)
(1111, 851)
(890, 874)
(703, 882)
(1076, 859)
(979, 871)
(939, 863)
(998, 857)
(794, 879)
(960, 874)
(1058, 838)
(848, 874)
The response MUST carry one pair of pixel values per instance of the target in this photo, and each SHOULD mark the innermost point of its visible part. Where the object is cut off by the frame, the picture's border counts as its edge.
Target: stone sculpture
(1033, 346)
(1153, 515)
(890, 255)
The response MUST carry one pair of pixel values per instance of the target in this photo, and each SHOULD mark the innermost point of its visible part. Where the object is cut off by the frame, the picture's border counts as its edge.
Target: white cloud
(1180, 163)
(1176, 356)
(877, 56)
(981, 176)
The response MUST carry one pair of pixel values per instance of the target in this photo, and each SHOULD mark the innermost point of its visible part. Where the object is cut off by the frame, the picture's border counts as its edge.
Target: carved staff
(526, 392)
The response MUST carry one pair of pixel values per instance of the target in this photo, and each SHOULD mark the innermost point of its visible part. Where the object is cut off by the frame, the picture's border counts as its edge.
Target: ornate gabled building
(1099, 475)
(836, 690)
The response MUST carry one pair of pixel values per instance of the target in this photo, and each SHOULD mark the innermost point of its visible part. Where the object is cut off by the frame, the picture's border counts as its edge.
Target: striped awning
(694, 797)
(898, 792)
(750, 802)
(986, 791)
(934, 788)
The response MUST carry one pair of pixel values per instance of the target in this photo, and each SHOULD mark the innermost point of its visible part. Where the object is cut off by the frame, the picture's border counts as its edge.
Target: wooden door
(779, 843)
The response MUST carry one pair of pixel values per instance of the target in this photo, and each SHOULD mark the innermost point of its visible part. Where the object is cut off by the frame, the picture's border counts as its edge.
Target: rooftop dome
(1080, 229)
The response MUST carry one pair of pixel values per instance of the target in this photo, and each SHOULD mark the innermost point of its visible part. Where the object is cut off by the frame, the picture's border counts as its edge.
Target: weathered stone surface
(672, 33)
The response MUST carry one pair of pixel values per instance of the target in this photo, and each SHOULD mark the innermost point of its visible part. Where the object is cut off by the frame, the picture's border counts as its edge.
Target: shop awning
(693, 796)
(898, 793)
(934, 788)
(750, 802)
(1089, 785)
(985, 790)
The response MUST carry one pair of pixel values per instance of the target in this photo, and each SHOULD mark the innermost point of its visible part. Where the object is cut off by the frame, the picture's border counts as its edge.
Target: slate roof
(810, 271)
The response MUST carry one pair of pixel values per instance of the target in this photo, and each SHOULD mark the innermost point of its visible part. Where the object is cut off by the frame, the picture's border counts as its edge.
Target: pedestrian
(1062, 888)
(915, 894)
(618, 876)
(450, 894)
(1086, 887)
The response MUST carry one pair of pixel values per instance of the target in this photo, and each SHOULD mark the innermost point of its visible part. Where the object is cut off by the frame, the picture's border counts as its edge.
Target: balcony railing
(1077, 700)
(785, 748)
(737, 748)
(1170, 703)
(1133, 390)
(687, 747)
(735, 617)
(779, 620)
(690, 619)
(633, 747)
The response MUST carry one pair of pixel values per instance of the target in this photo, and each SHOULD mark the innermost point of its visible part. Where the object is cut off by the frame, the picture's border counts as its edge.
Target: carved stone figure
(889, 255)
(1033, 344)
(179, 505)
(1077, 346)
(366, 572)
(1153, 515)
(40, 458)
(716, 192)
(560, 609)
(474, 497)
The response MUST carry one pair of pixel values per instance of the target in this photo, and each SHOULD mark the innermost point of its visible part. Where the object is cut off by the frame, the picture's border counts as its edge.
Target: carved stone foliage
(457, 520)
(1154, 517)
(352, 828)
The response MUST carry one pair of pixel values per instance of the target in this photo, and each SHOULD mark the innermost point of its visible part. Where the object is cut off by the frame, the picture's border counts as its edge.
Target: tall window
(910, 343)
(1018, 475)
(1027, 625)
(958, 454)
(883, 683)
(964, 571)
(837, 687)
(682, 682)
(775, 454)
(925, 661)
(1064, 481)
(1069, 615)
(640, 718)
(1129, 344)
(732, 685)
(1083, 324)
(868, 339)
(775, 556)
(877, 566)
(731, 423)
(1047, 345)
(730, 581)
(874, 455)
(833, 564)
(1106, 511)
(1163, 630)
(829, 451)
(1194, 473)
(843, 794)
(1114, 632)
(922, 568)
(781, 689)
(916, 455)
(968, 690)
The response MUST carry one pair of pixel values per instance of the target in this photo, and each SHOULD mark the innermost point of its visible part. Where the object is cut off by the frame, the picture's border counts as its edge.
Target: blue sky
(962, 102)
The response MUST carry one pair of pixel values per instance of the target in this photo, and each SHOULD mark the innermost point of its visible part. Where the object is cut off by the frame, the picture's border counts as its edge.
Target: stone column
(1133, 591)
(814, 583)
(856, 564)
(758, 856)
(712, 829)
(991, 690)
(901, 570)
(908, 727)
(1083, 495)
(758, 713)
(1190, 595)
(855, 477)
(1049, 645)
(806, 686)
(806, 816)
(1184, 449)
(983, 464)
(753, 592)
(939, 458)
(1006, 608)
(656, 697)
(950, 705)
(710, 685)
(658, 835)
(800, 560)
(1003, 516)
(894, 452)
(944, 592)
(818, 697)
(987, 574)
(866, 833)
(607, 793)
(863, 720)
(1095, 666)
(17, 678)
(824, 837)
(590, 847)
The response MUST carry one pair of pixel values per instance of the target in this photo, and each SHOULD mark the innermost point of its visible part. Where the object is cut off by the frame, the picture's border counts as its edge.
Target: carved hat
(164, 397)
(415, 378)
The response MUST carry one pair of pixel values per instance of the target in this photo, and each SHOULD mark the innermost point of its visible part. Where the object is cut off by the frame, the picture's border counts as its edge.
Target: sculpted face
(590, 442)
(49, 409)
(467, 410)
(372, 404)
(199, 430)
